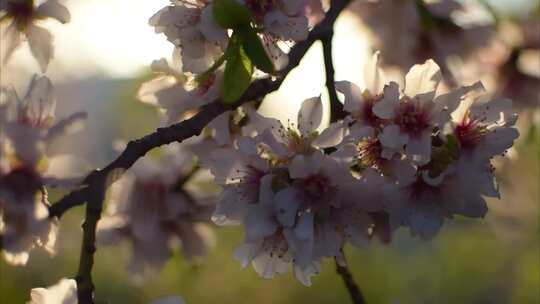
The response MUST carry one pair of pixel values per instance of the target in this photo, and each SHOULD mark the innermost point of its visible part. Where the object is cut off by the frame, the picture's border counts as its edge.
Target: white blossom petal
(53, 9)
(391, 137)
(310, 115)
(374, 75)
(64, 292)
(386, 107)
(11, 40)
(422, 78)
(331, 136)
(287, 204)
(353, 96)
(41, 45)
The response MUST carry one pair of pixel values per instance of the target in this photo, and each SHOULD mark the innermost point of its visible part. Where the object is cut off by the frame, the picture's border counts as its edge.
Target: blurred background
(103, 56)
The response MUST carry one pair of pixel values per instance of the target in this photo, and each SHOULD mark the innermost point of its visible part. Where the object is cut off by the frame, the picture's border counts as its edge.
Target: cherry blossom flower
(176, 95)
(149, 210)
(239, 170)
(361, 122)
(416, 114)
(484, 128)
(458, 177)
(22, 16)
(301, 215)
(282, 143)
(407, 36)
(191, 27)
(65, 292)
(282, 21)
(27, 130)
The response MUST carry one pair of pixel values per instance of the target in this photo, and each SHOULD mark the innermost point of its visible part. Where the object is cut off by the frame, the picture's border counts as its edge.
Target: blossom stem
(352, 287)
(336, 108)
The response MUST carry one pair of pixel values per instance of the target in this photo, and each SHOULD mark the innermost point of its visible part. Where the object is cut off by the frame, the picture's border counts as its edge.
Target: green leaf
(255, 50)
(230, 14)
(452, 145)
(426, 18)
(237, 76)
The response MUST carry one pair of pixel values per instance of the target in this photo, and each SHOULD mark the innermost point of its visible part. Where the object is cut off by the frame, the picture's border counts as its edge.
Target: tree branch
(193, 126)
(352, 287)
(336, 107)
(85, 286)
(93, 187)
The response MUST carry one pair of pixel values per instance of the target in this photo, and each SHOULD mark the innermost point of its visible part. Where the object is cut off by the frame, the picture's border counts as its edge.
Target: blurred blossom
(407, 32)
(27, 130)
(175, 94)
(65, 292)
(22, 16)
(148, 208)
(190, 26)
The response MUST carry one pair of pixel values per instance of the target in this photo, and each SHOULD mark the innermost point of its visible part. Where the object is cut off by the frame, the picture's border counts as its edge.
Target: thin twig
(352, 287)
(336, 107)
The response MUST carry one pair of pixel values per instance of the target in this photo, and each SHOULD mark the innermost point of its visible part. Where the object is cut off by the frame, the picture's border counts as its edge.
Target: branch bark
(85, 285)
(352, 287)
(336, 108)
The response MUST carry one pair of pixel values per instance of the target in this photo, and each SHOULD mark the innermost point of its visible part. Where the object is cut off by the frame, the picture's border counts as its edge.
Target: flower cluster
(27, 129)
(199, 40)
(202, 45)
(411, 31)
(149, 208)
(412, 154)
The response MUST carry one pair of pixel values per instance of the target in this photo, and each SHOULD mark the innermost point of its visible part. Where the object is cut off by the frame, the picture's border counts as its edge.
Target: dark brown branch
(352, 287)
(336, 107)
(85, 286)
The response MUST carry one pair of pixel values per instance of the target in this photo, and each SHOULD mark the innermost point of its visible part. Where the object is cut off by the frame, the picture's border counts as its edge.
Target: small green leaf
(452, 145)
(255, 50)
(230, 14)
(426, 18)
(237, 76)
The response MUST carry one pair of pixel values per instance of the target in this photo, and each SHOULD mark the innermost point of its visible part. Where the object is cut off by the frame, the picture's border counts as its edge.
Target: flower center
(316, 186)
(298, 143)
(39, 121)
(413, 118)
(369, 153)
(205, 84)
(248, 185)
(276, 244)
(21, 12)
(151, 194)
(259, 8)
(366, 112)
(470, 132)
